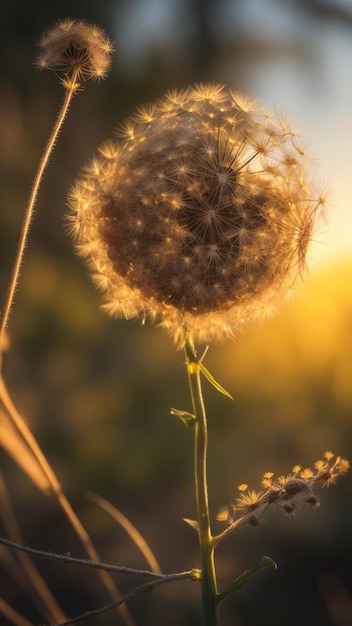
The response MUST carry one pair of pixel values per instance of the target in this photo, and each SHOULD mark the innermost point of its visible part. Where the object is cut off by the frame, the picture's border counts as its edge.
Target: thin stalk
(209, 586)
(71, 88)
(137, 591)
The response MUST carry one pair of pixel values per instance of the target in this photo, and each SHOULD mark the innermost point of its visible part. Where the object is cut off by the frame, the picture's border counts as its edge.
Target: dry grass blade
(18, 450)
(21, 427)
(132, 531)
(12, 615)
(23, 566)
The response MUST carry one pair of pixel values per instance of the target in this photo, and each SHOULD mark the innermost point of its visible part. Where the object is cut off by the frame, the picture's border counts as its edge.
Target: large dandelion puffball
(200, 216)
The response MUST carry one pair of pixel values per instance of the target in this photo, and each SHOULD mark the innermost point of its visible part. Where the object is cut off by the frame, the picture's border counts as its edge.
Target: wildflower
(200, 217)
(75, 48)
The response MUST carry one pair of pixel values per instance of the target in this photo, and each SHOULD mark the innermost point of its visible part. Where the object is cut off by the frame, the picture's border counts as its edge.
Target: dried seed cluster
(285, 492)
(200, 216)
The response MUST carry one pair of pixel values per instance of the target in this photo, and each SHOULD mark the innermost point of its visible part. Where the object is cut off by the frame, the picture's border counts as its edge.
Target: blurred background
(97, 392)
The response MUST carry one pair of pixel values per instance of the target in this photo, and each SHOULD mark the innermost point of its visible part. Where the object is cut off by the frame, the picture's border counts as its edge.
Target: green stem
(209, 589)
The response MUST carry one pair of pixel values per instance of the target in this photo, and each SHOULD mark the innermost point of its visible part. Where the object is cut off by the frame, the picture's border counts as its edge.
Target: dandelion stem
(71, 87)
(209, 587)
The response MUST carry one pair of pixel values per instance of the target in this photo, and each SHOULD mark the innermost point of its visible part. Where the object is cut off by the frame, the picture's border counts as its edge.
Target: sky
(318, 96)
(323, 104)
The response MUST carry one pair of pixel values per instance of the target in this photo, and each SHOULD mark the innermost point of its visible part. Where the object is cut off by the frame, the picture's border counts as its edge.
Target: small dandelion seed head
(220, 191)
(328, 471)
(223, 514)
(242, 487)
(76, 50)
(266, 482)
(343, 465)
(306, 473)
(249, 501)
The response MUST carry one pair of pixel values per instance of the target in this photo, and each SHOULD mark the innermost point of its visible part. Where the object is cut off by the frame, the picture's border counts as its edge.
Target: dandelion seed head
(75, 48)
(201, 215)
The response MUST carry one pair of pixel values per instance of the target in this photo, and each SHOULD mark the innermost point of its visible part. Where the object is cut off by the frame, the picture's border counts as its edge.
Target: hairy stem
(71, 88)
(209, 588)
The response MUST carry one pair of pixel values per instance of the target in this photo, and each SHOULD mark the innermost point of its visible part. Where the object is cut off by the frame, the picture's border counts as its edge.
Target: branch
(118, 569)
(193, 575)
(69, 560)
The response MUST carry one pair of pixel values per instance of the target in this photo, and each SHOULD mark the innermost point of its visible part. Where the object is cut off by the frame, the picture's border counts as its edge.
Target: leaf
(246, 577)
(210, 378)
(187, 418)
(191, 522)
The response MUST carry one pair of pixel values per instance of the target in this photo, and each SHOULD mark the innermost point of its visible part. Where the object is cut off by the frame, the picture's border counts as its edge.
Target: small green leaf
(246, 577)
(210, 378)
(187, 418)
(191, 522)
